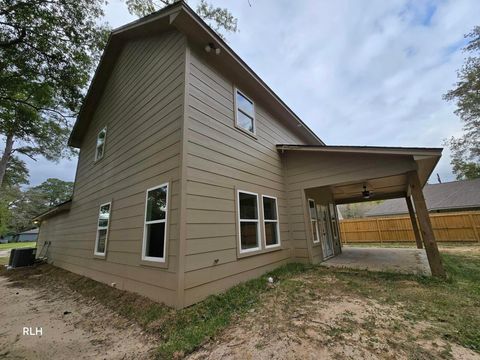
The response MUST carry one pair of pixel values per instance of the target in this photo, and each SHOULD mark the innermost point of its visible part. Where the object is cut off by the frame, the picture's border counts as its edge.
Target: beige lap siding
(221, 160)
(142, 108)
(307, 170)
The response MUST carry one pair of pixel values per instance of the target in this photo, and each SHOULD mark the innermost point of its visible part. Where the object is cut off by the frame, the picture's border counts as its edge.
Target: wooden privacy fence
(460, 226)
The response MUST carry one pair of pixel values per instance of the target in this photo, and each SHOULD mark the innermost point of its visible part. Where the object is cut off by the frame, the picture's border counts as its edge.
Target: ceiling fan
(366, 194)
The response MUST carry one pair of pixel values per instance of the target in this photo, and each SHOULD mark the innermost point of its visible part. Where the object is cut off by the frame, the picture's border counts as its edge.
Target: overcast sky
(356, 72)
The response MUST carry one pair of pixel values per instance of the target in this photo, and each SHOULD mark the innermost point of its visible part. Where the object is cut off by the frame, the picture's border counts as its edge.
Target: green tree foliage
(357, 210)
(219, 19)
(48, 49)
(23, 205)
(466, 149)
(54, 191)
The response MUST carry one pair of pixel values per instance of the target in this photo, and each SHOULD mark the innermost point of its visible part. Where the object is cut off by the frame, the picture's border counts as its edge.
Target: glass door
(326, 238)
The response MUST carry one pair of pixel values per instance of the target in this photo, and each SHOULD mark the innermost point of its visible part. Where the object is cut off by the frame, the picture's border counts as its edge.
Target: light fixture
(211, 46)
(366, 194)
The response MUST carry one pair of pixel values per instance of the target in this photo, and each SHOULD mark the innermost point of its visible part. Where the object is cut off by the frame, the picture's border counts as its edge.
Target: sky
(356, 72)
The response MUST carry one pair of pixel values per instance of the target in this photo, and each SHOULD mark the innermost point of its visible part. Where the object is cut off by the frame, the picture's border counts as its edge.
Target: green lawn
(17, 245)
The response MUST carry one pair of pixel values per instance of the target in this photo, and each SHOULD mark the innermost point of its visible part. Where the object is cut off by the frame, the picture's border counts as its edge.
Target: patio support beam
(416, 231)
(428, 236)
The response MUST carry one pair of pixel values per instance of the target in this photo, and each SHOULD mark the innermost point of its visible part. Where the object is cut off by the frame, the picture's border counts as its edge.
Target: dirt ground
(327, 327)
(72, 326)
(310, 316)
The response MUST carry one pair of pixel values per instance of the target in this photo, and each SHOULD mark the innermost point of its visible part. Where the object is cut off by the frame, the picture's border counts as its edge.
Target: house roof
(65, 206)
(455, 195)
(179, 16)
(32, 231)
(387, 150)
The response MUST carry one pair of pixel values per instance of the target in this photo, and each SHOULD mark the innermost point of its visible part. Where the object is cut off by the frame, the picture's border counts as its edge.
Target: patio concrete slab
(406, 261)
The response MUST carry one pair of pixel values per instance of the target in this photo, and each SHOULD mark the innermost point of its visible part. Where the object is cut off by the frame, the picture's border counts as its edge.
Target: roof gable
(179, 16)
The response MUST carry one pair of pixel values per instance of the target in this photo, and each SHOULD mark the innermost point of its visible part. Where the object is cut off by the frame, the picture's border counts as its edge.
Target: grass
(451, 307)
(17, 245)
(179, 331)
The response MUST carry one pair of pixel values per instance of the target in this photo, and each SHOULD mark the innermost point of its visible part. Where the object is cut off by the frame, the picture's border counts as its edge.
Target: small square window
(244, 113)
(100, 147)
(155, 227)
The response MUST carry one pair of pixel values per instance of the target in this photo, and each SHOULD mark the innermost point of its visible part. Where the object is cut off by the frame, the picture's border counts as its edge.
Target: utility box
(22, 257)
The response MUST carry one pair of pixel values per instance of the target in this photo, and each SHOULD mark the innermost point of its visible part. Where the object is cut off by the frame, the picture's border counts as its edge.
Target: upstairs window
(244, 113)
(155, 227)
(313, 220)
(249, 235)
(270, 219)
(100, 148)
(102, 229)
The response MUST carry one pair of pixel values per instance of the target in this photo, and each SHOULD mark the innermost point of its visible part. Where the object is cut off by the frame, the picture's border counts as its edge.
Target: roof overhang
(65, 206)
(179, 16)
(384, 185)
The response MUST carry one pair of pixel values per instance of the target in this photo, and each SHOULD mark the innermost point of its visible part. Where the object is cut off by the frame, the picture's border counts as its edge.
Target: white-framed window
(102, 229)
(100, 146)
(313, 220)
(270, 221)
(155, 227)
(248, 221)
(244, 112)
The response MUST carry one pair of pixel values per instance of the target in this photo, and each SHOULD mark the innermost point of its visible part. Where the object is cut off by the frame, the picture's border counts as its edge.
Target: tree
(48, 49)
(54, 192)
(466, 149)
(21, 206)
(219, 19)
(16, 173)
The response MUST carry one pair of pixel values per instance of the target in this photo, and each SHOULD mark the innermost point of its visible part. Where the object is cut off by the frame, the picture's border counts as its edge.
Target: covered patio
(328, 175)
(404, 261)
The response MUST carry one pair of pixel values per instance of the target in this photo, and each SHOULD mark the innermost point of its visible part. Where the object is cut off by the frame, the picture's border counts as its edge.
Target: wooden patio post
(411, 211)
(428, 236)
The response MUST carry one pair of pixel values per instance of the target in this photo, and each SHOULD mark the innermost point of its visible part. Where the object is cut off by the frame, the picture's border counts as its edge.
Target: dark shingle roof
(455, 195)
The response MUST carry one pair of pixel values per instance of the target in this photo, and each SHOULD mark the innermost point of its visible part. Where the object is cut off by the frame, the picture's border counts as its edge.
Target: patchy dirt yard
(309, 324)
(72, 326)
(307, 313)
(345, 315)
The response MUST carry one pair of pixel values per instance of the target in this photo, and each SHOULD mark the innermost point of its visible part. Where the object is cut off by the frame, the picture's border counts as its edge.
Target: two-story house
(194, 176)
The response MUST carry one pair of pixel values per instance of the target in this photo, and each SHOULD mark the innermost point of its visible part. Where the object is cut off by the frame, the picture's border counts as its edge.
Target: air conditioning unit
(22, 257)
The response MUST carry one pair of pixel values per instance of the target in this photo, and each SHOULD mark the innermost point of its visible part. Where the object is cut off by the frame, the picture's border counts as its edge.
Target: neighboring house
(194, 176)
(445, 197)
(26, 236)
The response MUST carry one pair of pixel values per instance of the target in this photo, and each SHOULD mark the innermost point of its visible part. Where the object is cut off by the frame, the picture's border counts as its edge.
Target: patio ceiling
(383, 170)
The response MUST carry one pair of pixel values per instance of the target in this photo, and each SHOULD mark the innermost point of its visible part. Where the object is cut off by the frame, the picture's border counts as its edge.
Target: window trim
(315, 240)
(103, 145)
(236, 109)
(145, 223)
(277, 221)
(95, 252)
(332, 210)
(239, 221)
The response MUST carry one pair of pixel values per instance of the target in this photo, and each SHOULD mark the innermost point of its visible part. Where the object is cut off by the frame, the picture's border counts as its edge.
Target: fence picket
(458, 226)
